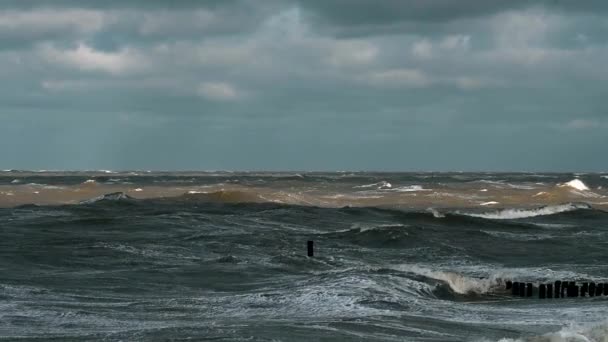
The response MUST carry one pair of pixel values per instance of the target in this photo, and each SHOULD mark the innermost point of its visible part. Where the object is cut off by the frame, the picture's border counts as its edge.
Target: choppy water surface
(415, 256)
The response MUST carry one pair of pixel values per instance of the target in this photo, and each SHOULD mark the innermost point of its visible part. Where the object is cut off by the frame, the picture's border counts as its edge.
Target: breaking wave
(224, 196)
(576, 184)
(459, 283)
(597, 332)
(115, 196)
(510, 214)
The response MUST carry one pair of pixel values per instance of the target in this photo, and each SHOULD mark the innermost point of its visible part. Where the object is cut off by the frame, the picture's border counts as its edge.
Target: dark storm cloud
(363, 17)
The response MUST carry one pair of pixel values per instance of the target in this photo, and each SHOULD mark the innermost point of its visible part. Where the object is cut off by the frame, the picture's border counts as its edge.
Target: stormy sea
(155, 256)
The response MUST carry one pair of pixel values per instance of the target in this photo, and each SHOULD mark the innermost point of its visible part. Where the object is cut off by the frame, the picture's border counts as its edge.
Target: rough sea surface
(145, 256)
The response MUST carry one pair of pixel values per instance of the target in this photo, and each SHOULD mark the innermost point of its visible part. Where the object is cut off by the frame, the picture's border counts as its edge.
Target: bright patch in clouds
(218, 91)
(86, 58)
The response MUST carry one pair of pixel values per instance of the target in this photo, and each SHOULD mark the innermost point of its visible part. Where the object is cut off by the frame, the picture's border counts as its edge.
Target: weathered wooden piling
(591, 289)
(542, 291)
(549, 290)
(584, 289)
(515, 289)
(529, 289)
(558, 289)
(522, 289)
(509, 285)
(311, 248)
(572, 289)
(605, 289)
(599, 288)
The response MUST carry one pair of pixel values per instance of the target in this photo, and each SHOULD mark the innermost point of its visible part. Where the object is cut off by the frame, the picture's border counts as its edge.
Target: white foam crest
(410, 188)
(459, 283)
(591, 333)
(521, 186)
(367, 227)
(435, 213)
(89, 181)
(116, 196)
(379, 185)
(510, 214)
(575, 184)
(15, 181)
(489, 203)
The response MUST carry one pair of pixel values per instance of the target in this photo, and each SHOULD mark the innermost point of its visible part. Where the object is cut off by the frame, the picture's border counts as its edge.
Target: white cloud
(455, 42)
(349, 53)
(422, 49)
(218, 91)
(86, 58)
(400, 77)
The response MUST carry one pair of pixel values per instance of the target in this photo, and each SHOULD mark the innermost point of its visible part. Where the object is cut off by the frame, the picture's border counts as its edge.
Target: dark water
(204, 268)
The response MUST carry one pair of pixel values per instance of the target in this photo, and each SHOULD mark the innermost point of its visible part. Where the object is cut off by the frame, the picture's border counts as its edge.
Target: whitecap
(16, 181)
(379, 185)
(575, 184)
(115, 196)
(509, 214)
(410, 188)
(488, 203)
(459, 283)
(435, 213)
(572, 333)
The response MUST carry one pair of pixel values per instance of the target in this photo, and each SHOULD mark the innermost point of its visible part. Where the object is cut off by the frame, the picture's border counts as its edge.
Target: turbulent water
(222, 256)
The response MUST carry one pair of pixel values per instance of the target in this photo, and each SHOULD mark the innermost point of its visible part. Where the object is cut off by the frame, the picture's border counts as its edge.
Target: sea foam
(576, 184)
(510, 214)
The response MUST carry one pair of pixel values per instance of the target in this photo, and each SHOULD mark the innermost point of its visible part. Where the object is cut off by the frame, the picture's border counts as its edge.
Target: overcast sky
(304, 85)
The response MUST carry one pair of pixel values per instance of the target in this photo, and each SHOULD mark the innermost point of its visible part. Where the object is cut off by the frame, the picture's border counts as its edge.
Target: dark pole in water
(605, 289)
(563, 289)
(529, 290)
(599, 288)
(584, 289)
(542, 291)
(509, 285)
(522, 289)
(557, 288)
(515, 289)
(549, 290)
(591, 289)
(311, 248)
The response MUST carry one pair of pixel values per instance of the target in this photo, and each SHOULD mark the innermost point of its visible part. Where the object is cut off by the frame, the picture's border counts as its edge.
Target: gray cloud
(303, 85)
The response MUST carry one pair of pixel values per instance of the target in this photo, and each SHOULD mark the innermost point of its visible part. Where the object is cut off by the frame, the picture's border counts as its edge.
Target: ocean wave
(596, 332)
(510, 214)
(460, 283)
(488, 203)
(378, 185)
(224, 196)
(410, 188)
(115, 196)
(575, 184)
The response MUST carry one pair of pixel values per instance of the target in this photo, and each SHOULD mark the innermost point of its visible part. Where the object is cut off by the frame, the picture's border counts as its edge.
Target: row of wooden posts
(558, 289)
